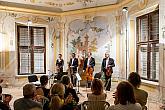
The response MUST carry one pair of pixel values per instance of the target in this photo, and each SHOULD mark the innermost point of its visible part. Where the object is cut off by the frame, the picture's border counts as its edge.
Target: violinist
(89, 64)
(59, 63)
(106, 67)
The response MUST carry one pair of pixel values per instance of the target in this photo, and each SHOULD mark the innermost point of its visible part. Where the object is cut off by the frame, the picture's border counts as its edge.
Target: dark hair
(60, 54)
(0, 89)
(29, 90)
(74, 54)
(134, 79)
(65, 80)
(97, 86)
(125, 93)
(44, 80)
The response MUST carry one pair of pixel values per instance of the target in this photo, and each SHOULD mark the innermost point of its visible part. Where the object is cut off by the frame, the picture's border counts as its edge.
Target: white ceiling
(58, 5)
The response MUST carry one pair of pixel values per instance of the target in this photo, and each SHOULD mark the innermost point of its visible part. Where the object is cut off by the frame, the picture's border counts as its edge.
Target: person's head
(73, 55)
(59, 56)
(125, 93)
(58, 89)
(97, 86)
(134, 79)
(65, 80)
(44, 80)
(89, 54)
(29, 91)
(106, 55)
(57, 94)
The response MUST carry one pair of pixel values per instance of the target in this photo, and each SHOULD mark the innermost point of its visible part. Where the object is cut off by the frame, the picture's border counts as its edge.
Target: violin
(108, 71)
(89, 73)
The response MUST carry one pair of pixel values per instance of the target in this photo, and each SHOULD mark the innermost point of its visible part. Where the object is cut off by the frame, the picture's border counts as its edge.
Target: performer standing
(107, 65)
(73, 64)
(89, 64)
(59, 63)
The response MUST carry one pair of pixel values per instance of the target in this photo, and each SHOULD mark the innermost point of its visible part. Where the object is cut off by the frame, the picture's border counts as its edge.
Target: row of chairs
(95, 105)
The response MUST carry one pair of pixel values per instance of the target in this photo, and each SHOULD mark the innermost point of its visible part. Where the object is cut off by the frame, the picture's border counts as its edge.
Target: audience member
(97, 91)
(124, 98)
(57, 98)
(44, 82)
(27, 102)
(140, 95)
(4, 100)
(65, 80)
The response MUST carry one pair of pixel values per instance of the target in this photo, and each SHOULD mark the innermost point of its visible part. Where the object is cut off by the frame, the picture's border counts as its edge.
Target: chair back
(144, 107)
(95, 105)
(32, 78)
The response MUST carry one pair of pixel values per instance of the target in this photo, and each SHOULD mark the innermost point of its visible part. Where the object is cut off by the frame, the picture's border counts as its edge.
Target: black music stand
(51, 75)
(78, 85)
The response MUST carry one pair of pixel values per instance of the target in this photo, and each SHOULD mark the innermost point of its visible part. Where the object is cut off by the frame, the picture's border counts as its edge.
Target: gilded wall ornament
(142, 3)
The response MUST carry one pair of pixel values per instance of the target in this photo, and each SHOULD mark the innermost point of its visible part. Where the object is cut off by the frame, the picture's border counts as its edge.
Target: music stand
(51, 76)
(78, 86)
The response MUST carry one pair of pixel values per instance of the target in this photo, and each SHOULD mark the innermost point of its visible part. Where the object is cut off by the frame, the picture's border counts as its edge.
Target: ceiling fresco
(62, 5)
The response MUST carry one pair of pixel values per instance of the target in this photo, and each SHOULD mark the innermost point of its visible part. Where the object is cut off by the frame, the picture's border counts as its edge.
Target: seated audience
(57, 98)
(4, 100)
(124, 98)
(140, 95)
(97, 91)
(44, 82)
(65, 80)
(27, 102)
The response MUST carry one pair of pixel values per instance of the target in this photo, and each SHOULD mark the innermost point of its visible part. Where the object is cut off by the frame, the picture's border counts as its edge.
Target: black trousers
(73, 79)
(107, 82)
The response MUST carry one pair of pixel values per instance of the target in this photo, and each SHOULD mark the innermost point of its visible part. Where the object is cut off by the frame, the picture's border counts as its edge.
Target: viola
(108, 71)
(89, 73)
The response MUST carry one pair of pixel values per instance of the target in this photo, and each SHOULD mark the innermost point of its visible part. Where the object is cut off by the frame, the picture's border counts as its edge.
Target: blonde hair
(97, 86)
(57, 93)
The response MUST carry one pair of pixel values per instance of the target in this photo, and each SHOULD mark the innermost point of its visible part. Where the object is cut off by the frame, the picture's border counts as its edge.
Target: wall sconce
(125, 9)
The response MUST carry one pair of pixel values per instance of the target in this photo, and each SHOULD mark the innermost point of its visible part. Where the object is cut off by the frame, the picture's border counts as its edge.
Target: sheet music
(78, 77)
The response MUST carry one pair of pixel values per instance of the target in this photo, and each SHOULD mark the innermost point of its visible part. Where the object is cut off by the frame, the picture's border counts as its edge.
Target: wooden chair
(95, 105)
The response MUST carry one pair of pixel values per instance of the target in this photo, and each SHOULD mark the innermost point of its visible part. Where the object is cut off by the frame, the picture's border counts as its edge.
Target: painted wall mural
(92, 34)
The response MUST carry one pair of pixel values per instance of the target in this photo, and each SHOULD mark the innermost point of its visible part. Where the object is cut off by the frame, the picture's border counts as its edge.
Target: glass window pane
(144, 29)
(25, 61)
(39, 61)
(154, 26)
(154, 62)
(39, 35)
(142, 67)
(24, 37)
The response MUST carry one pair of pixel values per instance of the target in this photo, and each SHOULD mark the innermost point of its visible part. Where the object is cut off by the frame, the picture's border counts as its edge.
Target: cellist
(106, 67)
(89, 64)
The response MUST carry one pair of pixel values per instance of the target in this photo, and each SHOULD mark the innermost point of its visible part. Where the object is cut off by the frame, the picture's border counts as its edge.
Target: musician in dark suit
(106, 67)
(59, 63)
(73, 64)
(89, 64)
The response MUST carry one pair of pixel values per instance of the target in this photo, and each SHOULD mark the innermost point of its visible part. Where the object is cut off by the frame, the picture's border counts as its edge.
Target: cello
(108, 71)
(89, 73)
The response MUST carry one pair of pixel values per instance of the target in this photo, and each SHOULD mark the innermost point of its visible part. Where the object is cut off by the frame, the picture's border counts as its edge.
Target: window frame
(32, 47)
(149, 42)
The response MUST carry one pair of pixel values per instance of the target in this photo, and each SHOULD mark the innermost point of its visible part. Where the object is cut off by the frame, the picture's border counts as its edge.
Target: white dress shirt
(88, 63)
(72, 60)
(107, 60)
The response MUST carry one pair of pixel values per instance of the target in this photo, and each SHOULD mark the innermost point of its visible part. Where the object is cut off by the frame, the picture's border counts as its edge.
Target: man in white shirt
(106, 67)
(73, 67)
(89, 64)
